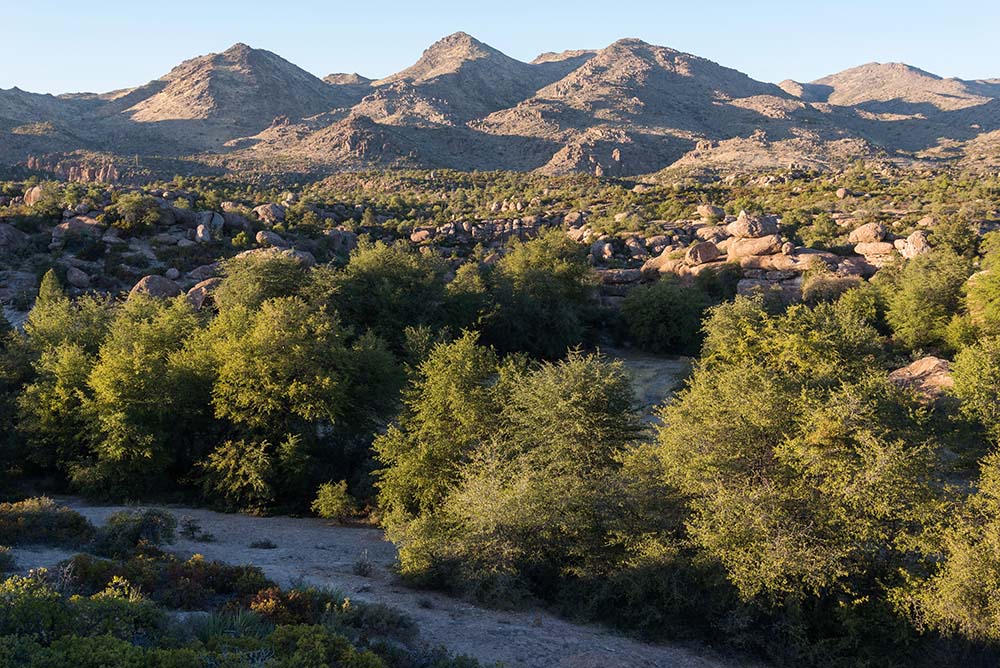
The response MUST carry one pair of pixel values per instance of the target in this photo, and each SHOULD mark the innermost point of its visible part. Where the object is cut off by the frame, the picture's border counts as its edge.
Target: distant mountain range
(630, 108)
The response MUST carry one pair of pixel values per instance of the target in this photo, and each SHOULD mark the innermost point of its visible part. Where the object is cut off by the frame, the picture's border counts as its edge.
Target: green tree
(54, 409)
(775, 442)
(253, 278)
(960, 598)
(55, 319)
(925, 297)
(449, 411)
(286, 368)
(976, 372)
(665, 316)
(541, 293)
(141, 401)
(387, 288)
(133, 212)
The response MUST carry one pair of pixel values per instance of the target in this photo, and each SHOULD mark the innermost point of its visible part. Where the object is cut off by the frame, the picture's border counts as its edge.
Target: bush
(7, 562)
(133, 212)
(41, 521)
(190, 584)
(129, 531)
(31, 607)
(333, 502)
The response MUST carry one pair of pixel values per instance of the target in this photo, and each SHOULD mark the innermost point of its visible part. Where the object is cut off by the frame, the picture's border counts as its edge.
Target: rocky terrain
(181, 252)
(630, 108)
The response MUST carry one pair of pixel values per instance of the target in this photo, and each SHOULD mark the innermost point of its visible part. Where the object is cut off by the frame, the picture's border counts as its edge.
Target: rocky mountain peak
(898, 88)
(346, 79)
(449, 55)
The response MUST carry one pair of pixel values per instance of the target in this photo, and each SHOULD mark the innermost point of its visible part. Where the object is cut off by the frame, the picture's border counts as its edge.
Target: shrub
(296, 606)
(31, 607)
(191, 530)
(7, 562)
(333, 502)
(133, 212)
(263, 544)
(190, 584)
(129, 531)
(41, 520)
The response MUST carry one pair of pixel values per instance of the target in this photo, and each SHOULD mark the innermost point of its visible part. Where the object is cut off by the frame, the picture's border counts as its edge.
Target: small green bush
(41, 521)
(333, 502)
(6, 559)
(128, 531)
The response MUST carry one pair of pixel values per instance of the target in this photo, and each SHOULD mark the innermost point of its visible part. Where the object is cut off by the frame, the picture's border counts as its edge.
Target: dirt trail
(312, 551)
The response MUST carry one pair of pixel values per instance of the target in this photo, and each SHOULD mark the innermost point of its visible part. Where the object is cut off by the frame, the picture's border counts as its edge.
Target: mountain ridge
(628, 108)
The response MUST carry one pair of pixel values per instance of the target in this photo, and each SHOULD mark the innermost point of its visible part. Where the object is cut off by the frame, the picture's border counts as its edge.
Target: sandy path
(312, 551)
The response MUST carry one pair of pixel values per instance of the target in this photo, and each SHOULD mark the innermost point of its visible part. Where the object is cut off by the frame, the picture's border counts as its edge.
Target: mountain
(897, 88)
(634, 107)
(225, 95)
(629, 108)
(456, 80)
(908, 111)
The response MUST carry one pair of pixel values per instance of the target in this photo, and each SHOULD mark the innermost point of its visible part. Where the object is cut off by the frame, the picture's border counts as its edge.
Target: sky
(59, 46)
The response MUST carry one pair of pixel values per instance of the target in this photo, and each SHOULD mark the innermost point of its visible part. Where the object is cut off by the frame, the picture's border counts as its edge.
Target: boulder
(709, 212)
(929, 376)
(342, 239)
(711, 232)
(662, 264)
(636, 248)
(781, 262)
(620, 276)
(173, 273)
(752, 227)
(270, 213)
(203, 234)
(11, 238)
(744, 247)
(875, 249)
(202, 292)
(112, 237)
(601, 250)
(868, 233)
(18, 286)
(83, 226)
(268, 238)
(204, 271)
(33, 196)
(156, 286)
(77, 278)
(701, 253)
(843, 193)
(213, 221)
(422, 234)
(915, 244)
(304, 257)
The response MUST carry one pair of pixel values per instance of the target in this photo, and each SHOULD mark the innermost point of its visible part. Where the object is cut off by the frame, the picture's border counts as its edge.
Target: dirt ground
(654, 377)
(311, 551)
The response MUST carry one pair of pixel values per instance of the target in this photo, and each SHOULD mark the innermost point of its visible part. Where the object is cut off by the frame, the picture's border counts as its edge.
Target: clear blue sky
(56, 46)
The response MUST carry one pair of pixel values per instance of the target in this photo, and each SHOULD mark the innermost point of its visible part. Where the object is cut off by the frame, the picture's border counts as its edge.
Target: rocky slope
(630, 108)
